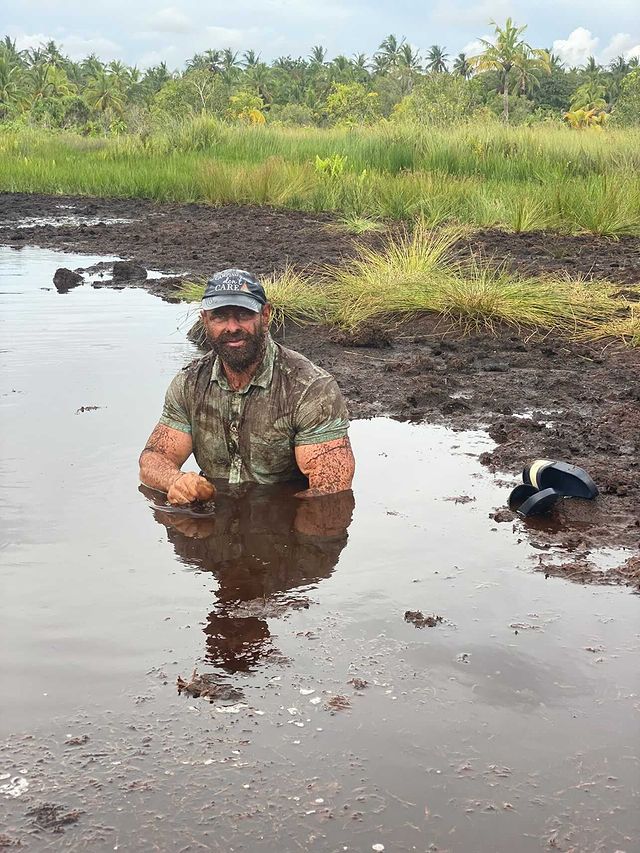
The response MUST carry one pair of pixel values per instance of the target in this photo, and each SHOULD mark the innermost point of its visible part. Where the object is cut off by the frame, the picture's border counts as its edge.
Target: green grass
(519, 179)
(419, 272)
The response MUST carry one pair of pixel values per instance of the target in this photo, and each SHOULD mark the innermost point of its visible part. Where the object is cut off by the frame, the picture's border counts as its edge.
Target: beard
(239, 359)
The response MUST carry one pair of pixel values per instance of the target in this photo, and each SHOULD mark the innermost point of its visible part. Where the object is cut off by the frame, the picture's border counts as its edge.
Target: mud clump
(337, 703)
(53, 817)
(125, 271)
(585, 572)
(419, 620)
(359, 683)
(372, 335)
(502, 515)
(207, 686)
(65, 279)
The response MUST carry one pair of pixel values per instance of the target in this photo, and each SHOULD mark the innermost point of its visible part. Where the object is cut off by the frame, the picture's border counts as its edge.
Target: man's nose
(232, 323)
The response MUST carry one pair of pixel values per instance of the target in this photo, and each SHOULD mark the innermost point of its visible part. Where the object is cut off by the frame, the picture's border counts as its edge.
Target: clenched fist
(190, 487)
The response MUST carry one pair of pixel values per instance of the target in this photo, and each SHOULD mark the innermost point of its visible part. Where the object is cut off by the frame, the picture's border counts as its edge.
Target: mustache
(228, 337)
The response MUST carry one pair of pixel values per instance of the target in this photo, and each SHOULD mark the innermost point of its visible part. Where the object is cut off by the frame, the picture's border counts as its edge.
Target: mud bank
(537, 396)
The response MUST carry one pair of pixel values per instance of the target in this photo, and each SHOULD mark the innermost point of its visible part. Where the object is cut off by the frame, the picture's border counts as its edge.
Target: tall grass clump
(420, 273)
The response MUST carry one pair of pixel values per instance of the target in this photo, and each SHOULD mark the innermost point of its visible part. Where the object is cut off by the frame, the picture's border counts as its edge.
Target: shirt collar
(262, 377)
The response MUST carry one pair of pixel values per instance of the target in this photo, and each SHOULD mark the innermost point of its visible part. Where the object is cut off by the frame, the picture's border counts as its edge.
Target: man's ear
(266, 312)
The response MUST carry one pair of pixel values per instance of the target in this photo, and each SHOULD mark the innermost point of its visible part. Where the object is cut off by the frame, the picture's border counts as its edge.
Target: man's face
(237, 334)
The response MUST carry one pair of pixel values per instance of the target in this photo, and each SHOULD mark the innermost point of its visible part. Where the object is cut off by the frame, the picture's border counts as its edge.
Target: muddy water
(512, 724)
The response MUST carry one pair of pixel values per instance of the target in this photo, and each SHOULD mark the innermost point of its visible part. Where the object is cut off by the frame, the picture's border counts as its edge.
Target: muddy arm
(328, 466)
(164, 454)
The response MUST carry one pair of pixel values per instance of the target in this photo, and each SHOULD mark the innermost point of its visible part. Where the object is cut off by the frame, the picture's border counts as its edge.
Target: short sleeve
(175, 413)
(321, 414)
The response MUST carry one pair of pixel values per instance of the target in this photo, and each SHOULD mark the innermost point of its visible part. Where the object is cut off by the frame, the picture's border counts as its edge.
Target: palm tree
(230, 64)
(10, 88)
(592, 71)
(589, 96)
(388, 52)
(91, 66)
(360, 64)
(508, 51)
(462, 66)
(341, 70)
(437, 59)
(213, 60)
(618, 70)
(103, 93)
(250, 58)
(318, 55)
(258, 78)
(51, 54)
(155, 78)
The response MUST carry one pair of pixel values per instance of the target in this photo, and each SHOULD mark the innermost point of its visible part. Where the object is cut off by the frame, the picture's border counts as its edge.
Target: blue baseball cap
(234, 287)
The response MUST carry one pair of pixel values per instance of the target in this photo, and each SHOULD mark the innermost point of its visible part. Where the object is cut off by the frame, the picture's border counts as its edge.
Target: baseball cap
(233, 287)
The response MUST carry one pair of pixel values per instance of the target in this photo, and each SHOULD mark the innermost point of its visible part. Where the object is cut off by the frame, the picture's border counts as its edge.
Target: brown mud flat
(537, 395)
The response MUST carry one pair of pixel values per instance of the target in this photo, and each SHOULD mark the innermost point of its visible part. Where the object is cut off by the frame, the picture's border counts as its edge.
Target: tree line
(507, 78)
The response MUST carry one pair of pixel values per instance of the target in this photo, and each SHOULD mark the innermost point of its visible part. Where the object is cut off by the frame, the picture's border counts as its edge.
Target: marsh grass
(519, 179)
(358, 225)
(626, 329)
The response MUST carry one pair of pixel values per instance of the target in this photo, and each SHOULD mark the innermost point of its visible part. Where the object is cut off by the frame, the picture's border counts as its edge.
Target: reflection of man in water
(265, 548)
(250, 411)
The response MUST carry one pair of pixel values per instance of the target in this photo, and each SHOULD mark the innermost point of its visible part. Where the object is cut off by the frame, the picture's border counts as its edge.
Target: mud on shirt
(250, 435)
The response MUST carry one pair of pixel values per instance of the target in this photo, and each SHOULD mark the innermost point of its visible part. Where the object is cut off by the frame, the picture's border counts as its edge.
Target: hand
(190, 487)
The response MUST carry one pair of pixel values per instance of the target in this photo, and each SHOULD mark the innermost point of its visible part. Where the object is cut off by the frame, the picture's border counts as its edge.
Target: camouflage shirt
(250, 435)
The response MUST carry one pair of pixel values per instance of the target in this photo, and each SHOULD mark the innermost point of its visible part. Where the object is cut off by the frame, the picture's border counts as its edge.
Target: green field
(484, 176)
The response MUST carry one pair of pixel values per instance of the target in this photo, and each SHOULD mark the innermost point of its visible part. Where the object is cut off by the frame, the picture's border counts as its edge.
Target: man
(249, 411)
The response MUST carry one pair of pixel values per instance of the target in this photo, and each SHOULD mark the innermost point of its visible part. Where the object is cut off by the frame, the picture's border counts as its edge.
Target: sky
(144, 32)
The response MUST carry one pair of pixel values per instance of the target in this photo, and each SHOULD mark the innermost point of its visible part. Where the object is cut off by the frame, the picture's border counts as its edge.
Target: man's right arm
(161, 460)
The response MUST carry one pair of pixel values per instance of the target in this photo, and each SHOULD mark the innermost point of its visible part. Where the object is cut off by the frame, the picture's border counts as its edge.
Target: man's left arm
(329, 466)
(322, 448)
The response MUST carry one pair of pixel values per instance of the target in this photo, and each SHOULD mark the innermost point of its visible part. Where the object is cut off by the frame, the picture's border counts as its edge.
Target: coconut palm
(51, 54)
(91, 66)
(104, 93)
(462, 66)
(591, 70)
(258, 79)
(506, 53)
(10, 84)
(388, 52)
(360, 65)
(437, 59)
(589, 96)
(318, 55)
(250, 58)
(230, 64)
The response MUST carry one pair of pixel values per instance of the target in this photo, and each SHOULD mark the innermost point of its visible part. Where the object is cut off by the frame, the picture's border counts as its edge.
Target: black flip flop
(568, 480)
(528, 500)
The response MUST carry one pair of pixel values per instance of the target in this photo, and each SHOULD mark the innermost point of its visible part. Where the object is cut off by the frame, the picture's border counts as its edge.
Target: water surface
(512, 724)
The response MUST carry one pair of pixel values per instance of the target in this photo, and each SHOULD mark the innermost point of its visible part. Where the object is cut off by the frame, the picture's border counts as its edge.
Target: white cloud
(581, 44)
(475, 47)
(621, 44)
(299, 9)
(577, 47)
(76, 47)
(227, 37)
(155, 57)
(458, 13)
(170, 20)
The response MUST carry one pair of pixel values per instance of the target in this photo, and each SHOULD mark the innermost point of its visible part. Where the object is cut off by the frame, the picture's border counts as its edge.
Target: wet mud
(538, 396)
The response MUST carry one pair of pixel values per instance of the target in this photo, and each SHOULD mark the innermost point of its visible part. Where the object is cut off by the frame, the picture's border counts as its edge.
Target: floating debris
(419, 620)
(208, 686)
